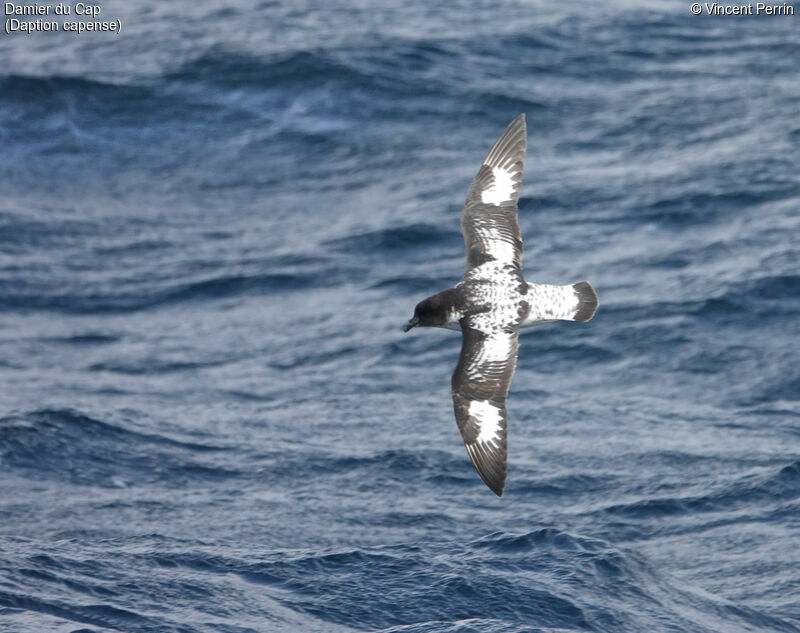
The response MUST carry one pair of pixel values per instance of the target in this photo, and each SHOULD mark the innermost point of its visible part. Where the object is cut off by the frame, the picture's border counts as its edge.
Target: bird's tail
(573, 302)
(587, 301)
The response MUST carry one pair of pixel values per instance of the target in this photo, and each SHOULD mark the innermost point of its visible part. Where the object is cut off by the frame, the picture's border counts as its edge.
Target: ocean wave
(116, 300)
(228, 93)
(777, 487)
(504, 581)
(93, 614)
(411, 285)
(232, 69)
(66, 444)
(390, 242)
(49, 115)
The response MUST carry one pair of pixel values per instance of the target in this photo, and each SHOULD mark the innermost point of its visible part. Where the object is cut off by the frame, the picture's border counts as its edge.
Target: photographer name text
(751, 8)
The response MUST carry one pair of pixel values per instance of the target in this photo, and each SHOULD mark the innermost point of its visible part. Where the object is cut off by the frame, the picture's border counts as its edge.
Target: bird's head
(432, 312)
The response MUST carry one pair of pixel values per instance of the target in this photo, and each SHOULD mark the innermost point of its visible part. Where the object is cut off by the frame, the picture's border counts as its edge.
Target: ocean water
(212, 228)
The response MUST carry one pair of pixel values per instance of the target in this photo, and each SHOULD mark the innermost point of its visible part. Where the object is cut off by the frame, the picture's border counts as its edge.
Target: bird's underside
(492, 301)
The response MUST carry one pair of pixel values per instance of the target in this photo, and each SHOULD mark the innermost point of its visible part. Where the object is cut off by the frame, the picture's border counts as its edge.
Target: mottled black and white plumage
(492, 301)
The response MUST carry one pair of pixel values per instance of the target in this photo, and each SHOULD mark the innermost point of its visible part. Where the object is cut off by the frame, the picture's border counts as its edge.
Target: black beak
(411, 324)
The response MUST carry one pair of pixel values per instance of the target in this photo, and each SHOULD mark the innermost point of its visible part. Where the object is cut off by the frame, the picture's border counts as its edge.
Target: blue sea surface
(214, 225)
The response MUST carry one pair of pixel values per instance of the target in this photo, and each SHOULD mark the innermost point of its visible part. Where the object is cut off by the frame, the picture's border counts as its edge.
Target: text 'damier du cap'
(72, 17)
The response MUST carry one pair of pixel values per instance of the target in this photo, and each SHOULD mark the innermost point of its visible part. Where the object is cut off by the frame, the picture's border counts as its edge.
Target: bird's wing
(480, 384)
(489, 218)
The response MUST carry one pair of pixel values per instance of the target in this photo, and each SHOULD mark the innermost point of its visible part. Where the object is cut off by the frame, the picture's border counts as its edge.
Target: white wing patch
(498, 247)
(497, 348)
(489, 418)
(501, 190)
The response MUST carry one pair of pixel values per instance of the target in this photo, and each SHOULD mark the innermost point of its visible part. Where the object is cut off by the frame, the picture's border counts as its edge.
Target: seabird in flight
(492, 302)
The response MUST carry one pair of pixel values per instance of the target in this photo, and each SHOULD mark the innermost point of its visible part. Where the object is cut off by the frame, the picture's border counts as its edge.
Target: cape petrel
(492, 302)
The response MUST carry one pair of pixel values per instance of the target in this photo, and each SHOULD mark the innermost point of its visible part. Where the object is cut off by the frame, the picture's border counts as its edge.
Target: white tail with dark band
(573, 302)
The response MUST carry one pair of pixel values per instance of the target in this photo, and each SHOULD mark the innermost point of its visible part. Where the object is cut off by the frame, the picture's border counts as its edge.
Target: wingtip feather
(491, 467)
(510, 146)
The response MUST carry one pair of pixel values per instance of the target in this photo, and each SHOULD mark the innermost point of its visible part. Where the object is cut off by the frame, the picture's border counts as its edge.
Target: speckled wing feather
(480, 385)
(489, 218)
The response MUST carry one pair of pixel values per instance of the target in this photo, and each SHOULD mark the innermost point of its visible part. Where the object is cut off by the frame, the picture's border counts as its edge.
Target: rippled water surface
(212, 227)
